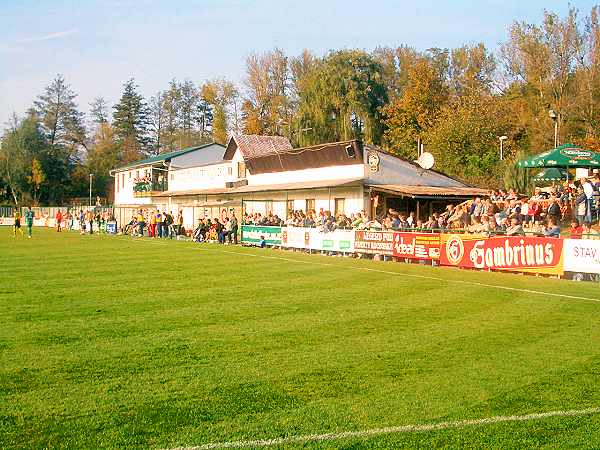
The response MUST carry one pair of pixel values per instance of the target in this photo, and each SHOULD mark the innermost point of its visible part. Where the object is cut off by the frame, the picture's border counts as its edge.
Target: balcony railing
(147, 188)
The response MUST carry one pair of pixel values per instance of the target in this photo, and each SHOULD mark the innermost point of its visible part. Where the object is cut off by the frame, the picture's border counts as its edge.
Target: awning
(566, 155)
(430, 191)
(266, 188)
(551, 174)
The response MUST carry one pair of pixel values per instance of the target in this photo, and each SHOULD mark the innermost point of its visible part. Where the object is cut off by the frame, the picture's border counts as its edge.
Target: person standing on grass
(58, 218)
(81, 222)
(29, 221)
(90, 220)
(159, 220)
(166, 222)
(234, 229)
(98, 221)
(141, 223)
(17, 224)
(179, 223)
(152, 225)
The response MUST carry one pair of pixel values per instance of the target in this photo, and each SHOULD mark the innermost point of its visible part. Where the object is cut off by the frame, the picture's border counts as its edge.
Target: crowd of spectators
(146, 184)
(568, 207)
(224, 231)
(156, 223)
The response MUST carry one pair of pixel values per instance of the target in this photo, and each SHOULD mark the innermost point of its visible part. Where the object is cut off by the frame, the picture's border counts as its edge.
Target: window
(290, 206)
(241, 170)
(229, 170)
(339, 206)
(268, 207)
(123, 179)
(129, 175)
(310, 204)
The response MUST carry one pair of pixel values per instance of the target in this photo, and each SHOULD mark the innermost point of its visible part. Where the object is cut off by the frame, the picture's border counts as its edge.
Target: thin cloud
(47, 37)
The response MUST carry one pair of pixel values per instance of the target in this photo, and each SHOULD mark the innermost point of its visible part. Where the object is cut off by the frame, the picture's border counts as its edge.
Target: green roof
(164, 156)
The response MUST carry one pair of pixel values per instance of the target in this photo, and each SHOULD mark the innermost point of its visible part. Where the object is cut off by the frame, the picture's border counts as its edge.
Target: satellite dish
(426, 160)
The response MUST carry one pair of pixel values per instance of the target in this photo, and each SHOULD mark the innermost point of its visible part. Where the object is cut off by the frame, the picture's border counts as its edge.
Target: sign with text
(254, 234)
(374, 242)
(581, 255)
(416, 245)
(523, 254)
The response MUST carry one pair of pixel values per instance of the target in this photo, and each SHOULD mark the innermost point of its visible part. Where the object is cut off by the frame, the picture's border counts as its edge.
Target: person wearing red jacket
(58, 218)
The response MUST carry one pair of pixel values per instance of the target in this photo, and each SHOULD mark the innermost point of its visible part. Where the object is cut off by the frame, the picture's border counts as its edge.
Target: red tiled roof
(254, 146)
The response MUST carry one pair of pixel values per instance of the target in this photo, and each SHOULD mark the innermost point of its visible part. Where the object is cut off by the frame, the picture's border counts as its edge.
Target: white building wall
(212, 176)
(298, 176)
(124, 187)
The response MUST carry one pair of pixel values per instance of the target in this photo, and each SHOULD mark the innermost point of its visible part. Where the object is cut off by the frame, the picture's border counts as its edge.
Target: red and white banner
(398, 244)
(539, 254)
(416, 245)
(8, 221)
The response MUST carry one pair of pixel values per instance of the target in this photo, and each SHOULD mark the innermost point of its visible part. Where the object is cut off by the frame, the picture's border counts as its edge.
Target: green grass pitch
(114, 342)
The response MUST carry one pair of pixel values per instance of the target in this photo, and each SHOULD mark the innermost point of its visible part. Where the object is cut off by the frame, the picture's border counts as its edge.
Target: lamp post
(554, 116)
(91, 176)
(502, 139)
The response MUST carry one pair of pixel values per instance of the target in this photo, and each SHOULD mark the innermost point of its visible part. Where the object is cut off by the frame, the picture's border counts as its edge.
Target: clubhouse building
(266, 174)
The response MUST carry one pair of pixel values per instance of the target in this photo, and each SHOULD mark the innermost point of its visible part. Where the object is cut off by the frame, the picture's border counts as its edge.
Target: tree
(464, 139)
(104, 155)
(131, 121)
(341, 98)
(408, 117)
(188, 118)
(157, 123)
(99, 111)
(23, 142)
(471, 70)
(219, 94)
(171, 105)
(58, 114)
(36, 179)
(268, 79)
(542, 58)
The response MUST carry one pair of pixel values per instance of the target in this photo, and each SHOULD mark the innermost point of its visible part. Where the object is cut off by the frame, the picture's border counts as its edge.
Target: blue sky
(99, 44)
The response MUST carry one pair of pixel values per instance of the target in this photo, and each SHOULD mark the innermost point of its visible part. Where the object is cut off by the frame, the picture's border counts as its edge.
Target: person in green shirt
(29, 220)
(17, 224)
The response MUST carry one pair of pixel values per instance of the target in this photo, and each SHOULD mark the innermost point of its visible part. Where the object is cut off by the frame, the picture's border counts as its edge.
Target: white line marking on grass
(391, 430)
(427, 277)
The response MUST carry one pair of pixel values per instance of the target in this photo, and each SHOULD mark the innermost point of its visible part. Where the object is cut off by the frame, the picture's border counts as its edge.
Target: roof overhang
(429, 191)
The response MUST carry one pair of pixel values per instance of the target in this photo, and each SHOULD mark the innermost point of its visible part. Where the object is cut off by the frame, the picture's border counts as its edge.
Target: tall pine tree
(59, 117)
(130, 122)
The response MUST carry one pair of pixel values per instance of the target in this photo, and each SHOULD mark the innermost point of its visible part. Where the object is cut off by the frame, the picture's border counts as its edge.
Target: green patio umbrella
(551, 174)
(564, 156)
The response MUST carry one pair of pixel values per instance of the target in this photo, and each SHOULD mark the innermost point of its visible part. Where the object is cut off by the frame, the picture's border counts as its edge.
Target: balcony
(149, 188)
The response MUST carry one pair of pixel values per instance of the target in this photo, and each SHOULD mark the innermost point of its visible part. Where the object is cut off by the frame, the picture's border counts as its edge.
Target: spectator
(552, 229)
(576, 230)
(515, 228)
(588, 232)
(588, 190)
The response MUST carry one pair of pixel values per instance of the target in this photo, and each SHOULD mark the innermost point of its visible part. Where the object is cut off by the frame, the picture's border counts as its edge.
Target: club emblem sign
(373, 161)
(455, 250)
